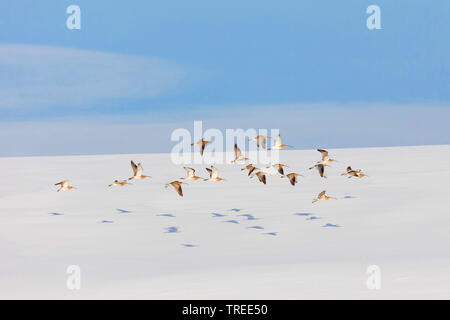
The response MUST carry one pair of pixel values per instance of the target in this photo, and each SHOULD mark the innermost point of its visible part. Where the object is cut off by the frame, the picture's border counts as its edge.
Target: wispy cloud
(46, 76)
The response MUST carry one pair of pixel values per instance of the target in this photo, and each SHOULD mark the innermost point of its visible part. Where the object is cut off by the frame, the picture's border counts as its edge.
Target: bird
(177, 185)
(201, 143)
(321, 168)
(261, 176)
(325, 157)
(322, 196)
(64, 185)
(279, 144)
(137, 170)
(213, 174)
(190, 174)
(260, 141)
(279, 167)
(353, 173)
(119, 183)
(250, 168)
(292, 177)
(238, 154)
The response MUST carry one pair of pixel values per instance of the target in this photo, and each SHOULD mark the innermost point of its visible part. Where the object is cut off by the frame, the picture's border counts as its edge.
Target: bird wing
(321, 169)
(264, 142)
(237, 151)
(349, 168)
(209, 171)
(261, 176)
(190, 171)
(321, 194)
(139, 170)
(324, 153)
(214, 172)
(278, 141)
(292, 178)
(280, 170)
(178, 188)
(202, 148)
(62, 183)
(134, 167)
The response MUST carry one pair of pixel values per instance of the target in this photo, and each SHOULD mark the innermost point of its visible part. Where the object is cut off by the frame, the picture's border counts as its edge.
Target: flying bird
(201, 143)
(177, 186)
(119, 183)
(325, 157)
(260, 141)
(238, 154)
(279, 144)
(190, 174)
(261, 176)
(213, 174)
(64, 185)
(353, 173)
(292, 177)
(137, 171)
(250, 168)
(322, 196)
(279, 167)
(321, 168)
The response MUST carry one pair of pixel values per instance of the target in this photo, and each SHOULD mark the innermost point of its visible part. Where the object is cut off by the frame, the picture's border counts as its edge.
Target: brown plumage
(261, 176)
(279, 167)
(177, 186)
(325, 157)
(353, 173)
(191, 174)
(137, 171)
(250, 168)
(292, 177)
(201, 143)
(321, 169)
(64, 185)
(322, 196)
(238, 154)
(119, 183)
(260, 141)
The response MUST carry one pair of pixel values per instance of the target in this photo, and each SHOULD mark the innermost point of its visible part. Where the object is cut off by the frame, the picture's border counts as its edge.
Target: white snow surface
(123, 238)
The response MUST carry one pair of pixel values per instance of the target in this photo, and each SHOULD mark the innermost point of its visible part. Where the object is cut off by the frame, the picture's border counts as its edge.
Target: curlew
(250, 168)
(137, 171)
(353, 173)
(260, 141)
(201, 143)
(279, 167)
(64, 185)
(278, 145)
(325, 157)
(321, 168)
(292, 177)
(190, 174)
(119, 183)
(261, 176)
(213, 174)
(238, 154)
(177, 186)
(322, 196)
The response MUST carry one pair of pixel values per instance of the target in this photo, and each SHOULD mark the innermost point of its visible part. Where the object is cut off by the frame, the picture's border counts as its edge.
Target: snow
(235, 239)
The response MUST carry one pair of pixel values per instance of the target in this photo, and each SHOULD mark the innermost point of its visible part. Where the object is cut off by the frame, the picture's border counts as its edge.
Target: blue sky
(168, 63)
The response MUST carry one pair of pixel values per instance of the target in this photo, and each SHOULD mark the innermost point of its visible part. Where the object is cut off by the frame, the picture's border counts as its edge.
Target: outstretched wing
(261, 177)
(278, 141)
(324, 153)
(190, 171)
(62, 183)
(214, 172)
(139, 170)
(179, 190)
(134, 167)
(264, 142)
(209, 171)
(321, 169)
(321, 194)
(237, 151)
(280, 170)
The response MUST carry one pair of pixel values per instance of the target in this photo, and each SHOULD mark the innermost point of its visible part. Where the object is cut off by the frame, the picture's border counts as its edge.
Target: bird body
(260, 141)
(177, 186)
(325, 157)
(238, 154)
(201, 143)
(137, 171)
(278, 145)
(279, 167)
(119, 183)
(261, 176)
(292, 177)
(190, 174)
(354, 173)
(321, 168)
(213, 174)
(64, 186)
(322, 196)
(250, 168)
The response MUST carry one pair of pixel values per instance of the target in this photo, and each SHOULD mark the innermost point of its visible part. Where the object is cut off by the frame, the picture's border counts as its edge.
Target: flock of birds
(253, 171)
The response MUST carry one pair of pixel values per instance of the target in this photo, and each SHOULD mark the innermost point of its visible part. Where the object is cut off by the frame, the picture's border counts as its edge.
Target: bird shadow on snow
(56, 214)
(232, 221)
(235, 210)
(271, 233)
(255, 227)
(165, 215)
(123, 211)
(349, 197)
(303, 214)
(330, 225)
(188, 245)
(216, 215)
(172, 230)
(313, 218)
(249, 216)
(106, 221)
